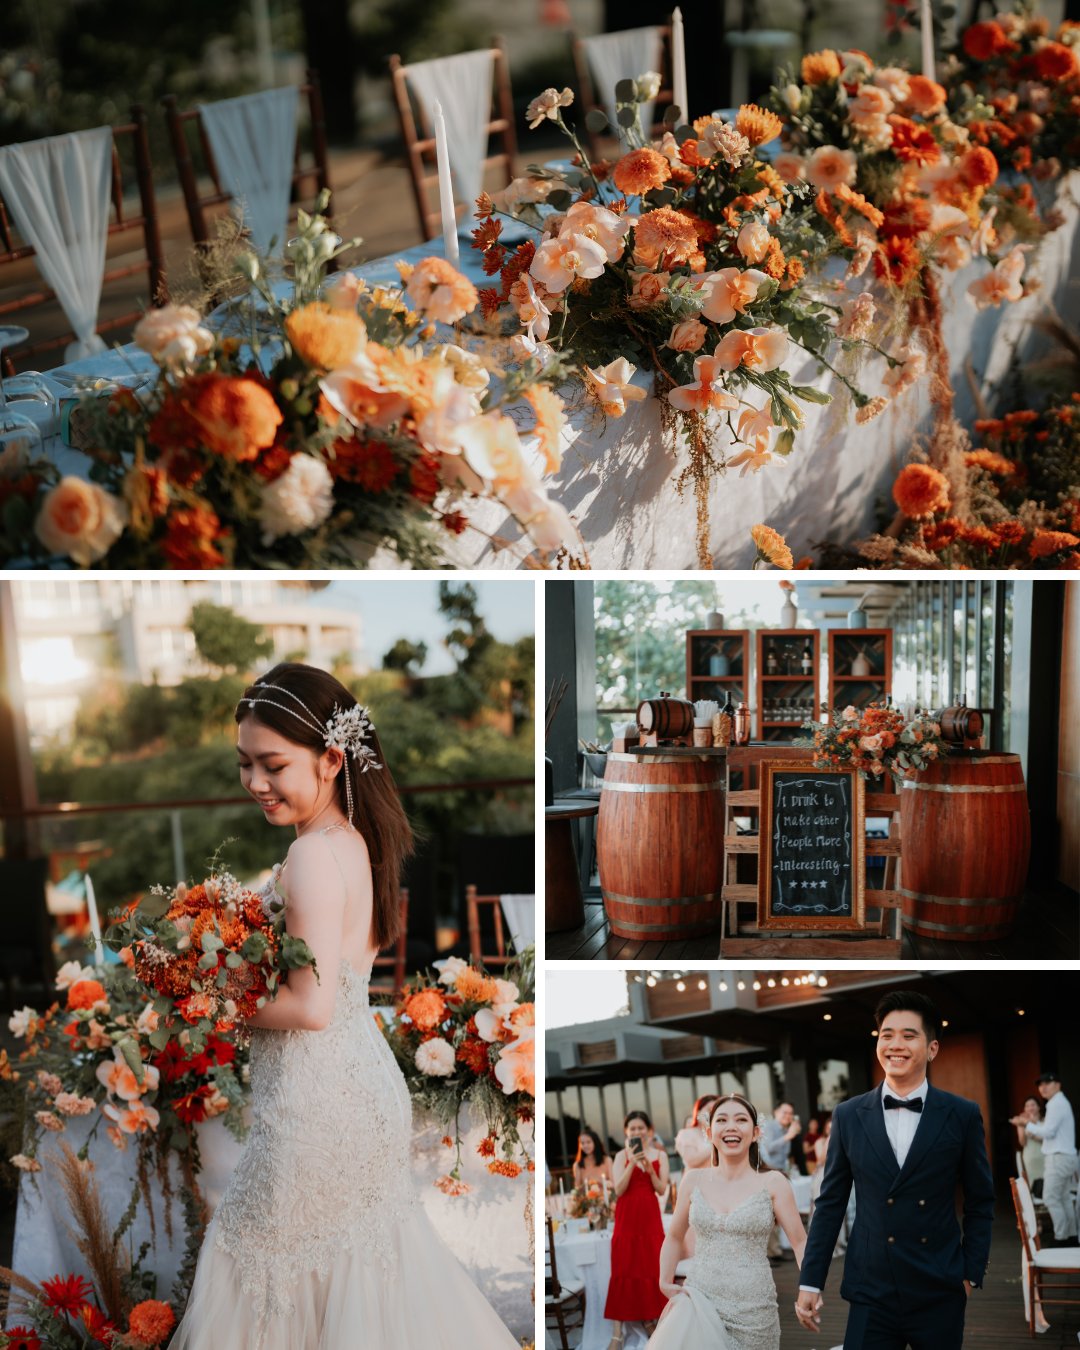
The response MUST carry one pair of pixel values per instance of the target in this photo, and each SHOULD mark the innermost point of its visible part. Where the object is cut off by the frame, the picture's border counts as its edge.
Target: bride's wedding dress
(729, 1298)
(320, 1241)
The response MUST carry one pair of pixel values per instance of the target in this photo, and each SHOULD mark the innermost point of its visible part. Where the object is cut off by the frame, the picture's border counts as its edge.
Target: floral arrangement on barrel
(466, 1037)
(1011, 502)
(592, 1201)
(686, 258)
(117, 1308)
(1016, 87)
(341, 421)
(876, 740)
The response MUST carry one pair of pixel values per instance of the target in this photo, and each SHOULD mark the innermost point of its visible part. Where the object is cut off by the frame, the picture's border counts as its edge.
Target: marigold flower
(897, 261)
(820, 67)
(941, 533)
(451, 1185)
(1009, 532)
(906, 217)
(978, 166)
(326, 338)
(771, 546)
(237, 417)
(87, 994)
(921, 490)
(758, 125)
(151, 1321)
(1047, 542)
(474, 986)
(191, 535)
(665, 232)
(925, 96)
(641, 171)
(1054, 62)
(425, 1009)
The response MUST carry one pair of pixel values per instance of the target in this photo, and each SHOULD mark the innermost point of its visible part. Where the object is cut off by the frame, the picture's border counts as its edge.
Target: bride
(320, 1242)
(729, 1299)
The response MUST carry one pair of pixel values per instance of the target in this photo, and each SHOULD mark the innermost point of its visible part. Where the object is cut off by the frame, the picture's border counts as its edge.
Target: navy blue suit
(907, 1258)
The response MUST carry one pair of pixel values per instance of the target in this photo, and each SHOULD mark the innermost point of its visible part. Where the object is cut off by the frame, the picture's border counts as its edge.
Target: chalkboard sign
(812, 869)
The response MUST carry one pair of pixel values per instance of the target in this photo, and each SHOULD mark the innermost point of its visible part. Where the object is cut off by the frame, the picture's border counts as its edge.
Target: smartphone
(637, 1145)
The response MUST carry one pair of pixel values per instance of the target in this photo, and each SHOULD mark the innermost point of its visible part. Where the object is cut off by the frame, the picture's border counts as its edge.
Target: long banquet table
(618, 479)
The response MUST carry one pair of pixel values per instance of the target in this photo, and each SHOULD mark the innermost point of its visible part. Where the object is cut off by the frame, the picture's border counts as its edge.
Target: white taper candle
(926, 30)
(95, 920)
(446, 189)
(678, 67)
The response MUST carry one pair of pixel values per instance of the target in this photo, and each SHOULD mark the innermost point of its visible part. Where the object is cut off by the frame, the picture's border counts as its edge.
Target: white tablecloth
(485, 1229)
(617, 480)
(587, 1257)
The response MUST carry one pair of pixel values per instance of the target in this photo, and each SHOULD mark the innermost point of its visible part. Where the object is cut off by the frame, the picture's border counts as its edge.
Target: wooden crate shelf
(844, 645)
(786, 645)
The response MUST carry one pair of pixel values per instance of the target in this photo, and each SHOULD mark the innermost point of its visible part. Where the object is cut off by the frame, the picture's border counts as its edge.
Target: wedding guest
(1030, 1147)
(809, 1145)
(692, 1142)
(592, 1162)
(1057, 1131)
(777, 1136)
(821, 1149)
(641, 1174)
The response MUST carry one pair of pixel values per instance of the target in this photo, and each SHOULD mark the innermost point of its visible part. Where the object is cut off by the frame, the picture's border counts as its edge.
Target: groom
(906, 1147)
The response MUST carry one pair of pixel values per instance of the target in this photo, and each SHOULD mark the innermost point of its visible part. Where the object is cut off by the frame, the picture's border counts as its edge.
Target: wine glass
(20, 436)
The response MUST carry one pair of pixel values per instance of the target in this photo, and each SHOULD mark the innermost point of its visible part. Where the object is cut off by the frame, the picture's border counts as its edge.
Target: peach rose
(729, 291)
(688, 336)
(599, 224)
(440, 292)
(757, 348)
(648, 289)
(925, 96)
(829, 166)
(790, 166)
(870, 104)
(871, 744)
(173, 336)
(80, 519)
(894, 81)
(753, 241)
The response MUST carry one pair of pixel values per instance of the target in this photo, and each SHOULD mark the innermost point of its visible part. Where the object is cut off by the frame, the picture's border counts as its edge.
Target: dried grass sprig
(107, 1261)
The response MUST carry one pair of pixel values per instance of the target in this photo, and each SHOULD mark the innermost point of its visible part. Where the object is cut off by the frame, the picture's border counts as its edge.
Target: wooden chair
(1039, 1263)
(419, 137)
(395, 960)
(310, 169)
(497, 958)
(587, 89)
(131, 145)
(564, 1300)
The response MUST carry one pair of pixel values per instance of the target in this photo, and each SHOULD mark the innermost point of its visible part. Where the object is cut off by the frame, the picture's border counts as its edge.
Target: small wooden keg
(966, 837)
(665, 717)
(959, 724)
(660, 845)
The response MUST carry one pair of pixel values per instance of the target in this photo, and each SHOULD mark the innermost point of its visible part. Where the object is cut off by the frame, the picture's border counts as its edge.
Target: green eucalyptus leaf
(154, 906)
(208, 961)
(159, 1039)
(671, 115)
(210, 942)
(625, 91)
(234, 961)
(596, 120)
(626, 117)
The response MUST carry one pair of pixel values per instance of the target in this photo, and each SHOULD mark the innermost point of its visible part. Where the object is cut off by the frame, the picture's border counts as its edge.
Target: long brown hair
(703, 1106)
(599, 1153)
(380, 817)
(755, 1151)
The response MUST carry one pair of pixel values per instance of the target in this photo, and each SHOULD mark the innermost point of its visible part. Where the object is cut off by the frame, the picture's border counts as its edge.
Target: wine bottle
(807, 659)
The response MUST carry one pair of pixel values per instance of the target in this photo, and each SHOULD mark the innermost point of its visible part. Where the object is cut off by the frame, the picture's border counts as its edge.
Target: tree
(469, 639)
(225, 640)
(406, 656)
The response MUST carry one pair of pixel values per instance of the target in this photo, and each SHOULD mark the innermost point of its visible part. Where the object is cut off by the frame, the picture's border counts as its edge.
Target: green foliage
(225, 640)
(406, 656)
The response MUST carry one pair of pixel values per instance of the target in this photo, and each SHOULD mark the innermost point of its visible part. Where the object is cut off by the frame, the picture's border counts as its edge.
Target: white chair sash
(462, 84)
(622, 56)
(519, 911)
(253, 139)
(57, 191)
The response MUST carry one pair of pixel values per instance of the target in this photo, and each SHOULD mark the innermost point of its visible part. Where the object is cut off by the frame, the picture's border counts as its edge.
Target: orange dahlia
(665, 232)
(237, 417)
(326, 338)
(984, 41)
(921, 490)
(758, 125)
(771, 546)
(1047, 542)
(475, 987)
(978, 166)
(425, 1009)
(912, 143)
(640, 171)
(1055, 62)
(151, 1321)
(820, 67)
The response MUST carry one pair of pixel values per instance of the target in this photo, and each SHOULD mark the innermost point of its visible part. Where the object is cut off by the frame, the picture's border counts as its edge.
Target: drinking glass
(20, 436)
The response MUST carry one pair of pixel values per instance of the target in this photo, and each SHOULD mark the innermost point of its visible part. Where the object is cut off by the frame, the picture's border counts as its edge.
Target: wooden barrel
(966, 838)
(960, 724)
(666, 716)
(660, 845)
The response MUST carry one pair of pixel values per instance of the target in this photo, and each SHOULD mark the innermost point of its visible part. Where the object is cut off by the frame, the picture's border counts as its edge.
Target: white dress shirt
(901, 1124)
(1057, 1129)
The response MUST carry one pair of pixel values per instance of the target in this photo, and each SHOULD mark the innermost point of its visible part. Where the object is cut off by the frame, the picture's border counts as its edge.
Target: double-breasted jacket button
(890, 1239)
(922, 1203)
(889, 1201)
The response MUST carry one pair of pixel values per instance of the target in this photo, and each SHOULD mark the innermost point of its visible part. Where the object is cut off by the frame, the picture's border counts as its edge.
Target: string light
(757, 984)
(785, 981)
(772, 984)
(826, 1017)
(723, 986)
(651, 981)
(741, 985)
(681, 986)
(702, 985)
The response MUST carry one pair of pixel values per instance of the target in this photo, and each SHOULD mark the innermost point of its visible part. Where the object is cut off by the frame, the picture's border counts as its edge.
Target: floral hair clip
(348, 729)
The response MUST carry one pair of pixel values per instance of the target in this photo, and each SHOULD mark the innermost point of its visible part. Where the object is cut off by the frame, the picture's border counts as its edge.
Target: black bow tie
(895, 1104)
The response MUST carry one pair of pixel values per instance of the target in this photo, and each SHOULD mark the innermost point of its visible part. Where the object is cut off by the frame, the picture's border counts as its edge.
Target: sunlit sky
(587, 995)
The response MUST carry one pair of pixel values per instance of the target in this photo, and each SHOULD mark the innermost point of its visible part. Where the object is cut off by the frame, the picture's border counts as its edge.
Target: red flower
(97, 1324)
(486, 1147)
(273, 462)
(171, 1062)
(455, 522)
(1055, 62)
(424, 479)
(912, 143)
(191, 1108)
(66, 1293)
(906, 218)
(984, 41)
(474, 1054)
(896, 260)
(190, 538)
(22, 1338)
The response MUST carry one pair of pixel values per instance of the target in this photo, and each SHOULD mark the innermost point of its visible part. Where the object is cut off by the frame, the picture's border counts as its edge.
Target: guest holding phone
(641, 1175)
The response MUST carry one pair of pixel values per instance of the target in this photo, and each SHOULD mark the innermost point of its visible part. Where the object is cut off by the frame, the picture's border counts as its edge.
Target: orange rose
(79, 519)
(236, 416)
(688, 336)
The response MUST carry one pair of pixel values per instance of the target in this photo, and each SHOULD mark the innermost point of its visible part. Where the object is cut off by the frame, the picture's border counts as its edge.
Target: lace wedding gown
(320, 1241)
(729, 1298)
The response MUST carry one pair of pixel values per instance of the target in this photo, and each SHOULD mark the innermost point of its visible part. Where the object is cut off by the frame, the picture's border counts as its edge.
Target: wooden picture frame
(852, 917)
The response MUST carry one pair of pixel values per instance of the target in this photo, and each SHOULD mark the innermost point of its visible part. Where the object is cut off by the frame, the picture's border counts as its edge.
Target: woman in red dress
(641, 1174)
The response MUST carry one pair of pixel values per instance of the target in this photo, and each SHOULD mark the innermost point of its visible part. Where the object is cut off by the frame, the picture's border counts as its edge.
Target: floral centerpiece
(876, 740)
(463, 1036)
(330, 422)
(686, 258)
(592, 1201)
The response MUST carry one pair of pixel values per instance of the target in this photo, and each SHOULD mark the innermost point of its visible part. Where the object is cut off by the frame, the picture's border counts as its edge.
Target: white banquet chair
(254, 156)
(1037, 1263)
(474, 91)
(62, 202)
(602, 60)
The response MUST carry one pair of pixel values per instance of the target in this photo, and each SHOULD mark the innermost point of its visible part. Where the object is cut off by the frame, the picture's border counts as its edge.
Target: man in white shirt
(1057, 1130)
(904, 1147)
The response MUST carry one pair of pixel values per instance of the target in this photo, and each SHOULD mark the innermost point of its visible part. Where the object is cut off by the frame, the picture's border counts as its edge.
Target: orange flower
(897, 261)
(920, 490)
(925, 96)
(984, 41)
(991, 461)
(1009, 532)
(324, 337)
(151, 1321)
(1054, 62)
(911, 143)
(475, 987)
(502, 1168)
(906, 217)
(438, 290)
(80, 519)
(941, 533)
(1047, 542)
(486, 1147)
(771, 546)
(425, 1009)
(664, 232)
(978, 167)
(550, 423)
(859, 203)
(640, 171)
(757, 124)
(190, 538)
(86, 994)
(820, 67)
(237, 417)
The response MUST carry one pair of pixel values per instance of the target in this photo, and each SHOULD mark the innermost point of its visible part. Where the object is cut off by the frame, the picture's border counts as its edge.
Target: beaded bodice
(326, 1167)
(731, 1267)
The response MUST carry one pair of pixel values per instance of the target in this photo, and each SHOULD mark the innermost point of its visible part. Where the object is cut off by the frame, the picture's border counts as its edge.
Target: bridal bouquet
(686, 258)
(463, 1036)
(875, 740)
(319, 427)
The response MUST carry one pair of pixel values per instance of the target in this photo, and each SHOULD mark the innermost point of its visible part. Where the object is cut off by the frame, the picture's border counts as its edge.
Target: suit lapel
(934, 1112)
(874, 1124)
